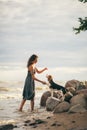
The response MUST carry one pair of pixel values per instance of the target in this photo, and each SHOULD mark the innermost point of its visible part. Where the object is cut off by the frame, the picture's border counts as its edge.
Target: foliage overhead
(84, 1)
(82, 26)
(83, 22)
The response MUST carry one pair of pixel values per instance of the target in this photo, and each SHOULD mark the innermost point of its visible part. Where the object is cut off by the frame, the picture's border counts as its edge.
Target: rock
(79, 99)
(72, 83)
(62, 107)
(44, 97)
(34, 123)
(82, 86)
(77, 108)
(51, 103)
(7, 127)
(56, 124)
(86, 84)
(27, 121)
(83, 91)
(37, 121)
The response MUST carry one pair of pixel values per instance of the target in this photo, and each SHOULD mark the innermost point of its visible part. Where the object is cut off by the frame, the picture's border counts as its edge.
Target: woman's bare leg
(32, 104)
(22, 104)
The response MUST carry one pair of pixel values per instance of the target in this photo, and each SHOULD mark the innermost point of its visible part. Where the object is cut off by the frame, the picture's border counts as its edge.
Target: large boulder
(82, 91)
(77, 108)
(51, 103)
(62, 107)
(72, 83)
(79, 99)
(44, 97)
(47, 94)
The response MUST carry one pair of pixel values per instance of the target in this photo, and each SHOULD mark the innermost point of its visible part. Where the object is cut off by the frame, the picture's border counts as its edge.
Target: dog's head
(49, 77)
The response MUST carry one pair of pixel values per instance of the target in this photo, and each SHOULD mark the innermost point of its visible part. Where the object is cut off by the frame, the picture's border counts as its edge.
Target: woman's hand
(45, 68)
(40, 71)
(43, 82)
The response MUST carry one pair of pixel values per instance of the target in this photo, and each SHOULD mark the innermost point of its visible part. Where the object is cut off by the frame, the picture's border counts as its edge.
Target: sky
(45, 28)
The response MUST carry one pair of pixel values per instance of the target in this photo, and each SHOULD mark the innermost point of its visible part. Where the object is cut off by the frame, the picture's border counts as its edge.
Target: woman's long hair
(31, 59)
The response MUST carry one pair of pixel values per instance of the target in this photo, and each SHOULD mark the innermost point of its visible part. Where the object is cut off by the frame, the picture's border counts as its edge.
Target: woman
(29, 87)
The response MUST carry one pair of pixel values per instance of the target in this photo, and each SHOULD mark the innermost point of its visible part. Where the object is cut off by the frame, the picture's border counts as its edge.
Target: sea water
(10, 99)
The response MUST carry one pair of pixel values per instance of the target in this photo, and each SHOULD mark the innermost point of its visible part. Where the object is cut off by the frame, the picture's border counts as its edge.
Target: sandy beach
(43, 120)
(40, 119)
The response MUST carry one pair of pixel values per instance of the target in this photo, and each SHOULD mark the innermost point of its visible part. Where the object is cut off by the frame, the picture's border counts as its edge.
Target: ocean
(10, 99)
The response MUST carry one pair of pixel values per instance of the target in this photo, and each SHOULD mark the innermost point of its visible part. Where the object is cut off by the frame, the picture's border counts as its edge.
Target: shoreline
(50, 121)
(41, 119)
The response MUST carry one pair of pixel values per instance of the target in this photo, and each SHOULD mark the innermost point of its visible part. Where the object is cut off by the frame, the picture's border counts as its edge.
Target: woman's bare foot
(20, 109)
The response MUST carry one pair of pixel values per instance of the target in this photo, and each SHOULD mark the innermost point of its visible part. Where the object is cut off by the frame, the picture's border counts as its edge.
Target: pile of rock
(75, 100)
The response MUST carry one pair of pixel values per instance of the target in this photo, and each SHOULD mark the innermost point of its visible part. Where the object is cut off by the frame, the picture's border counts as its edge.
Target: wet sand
(43, 120)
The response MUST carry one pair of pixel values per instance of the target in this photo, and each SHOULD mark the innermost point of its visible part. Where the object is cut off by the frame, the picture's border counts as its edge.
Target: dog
(54, 85)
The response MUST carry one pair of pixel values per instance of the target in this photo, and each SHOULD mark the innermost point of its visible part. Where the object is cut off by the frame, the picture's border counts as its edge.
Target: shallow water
(10, 99)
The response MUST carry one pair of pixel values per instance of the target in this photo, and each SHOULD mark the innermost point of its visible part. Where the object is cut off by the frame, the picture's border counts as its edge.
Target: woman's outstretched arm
(40, 71)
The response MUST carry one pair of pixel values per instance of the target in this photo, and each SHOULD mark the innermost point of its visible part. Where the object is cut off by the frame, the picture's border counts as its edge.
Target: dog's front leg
(51, 92)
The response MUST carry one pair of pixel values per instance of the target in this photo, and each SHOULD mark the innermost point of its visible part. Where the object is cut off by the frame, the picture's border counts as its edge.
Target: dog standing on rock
(53, 85)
